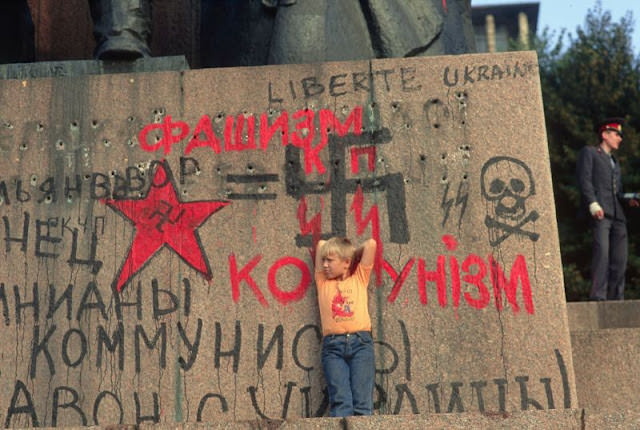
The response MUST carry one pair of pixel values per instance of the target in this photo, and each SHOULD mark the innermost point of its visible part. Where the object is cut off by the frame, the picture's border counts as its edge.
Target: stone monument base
(55, 69)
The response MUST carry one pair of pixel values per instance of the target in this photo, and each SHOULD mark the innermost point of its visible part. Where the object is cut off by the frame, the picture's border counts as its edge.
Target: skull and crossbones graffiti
(506, 184)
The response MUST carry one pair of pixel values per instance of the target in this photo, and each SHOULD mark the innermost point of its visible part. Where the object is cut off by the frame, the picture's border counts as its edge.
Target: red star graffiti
(160, 219)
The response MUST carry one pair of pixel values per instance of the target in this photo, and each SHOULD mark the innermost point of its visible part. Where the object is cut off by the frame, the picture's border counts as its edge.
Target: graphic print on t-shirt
(340, 307)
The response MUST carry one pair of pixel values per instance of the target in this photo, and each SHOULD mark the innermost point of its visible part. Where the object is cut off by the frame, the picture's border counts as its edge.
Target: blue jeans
(349, 370)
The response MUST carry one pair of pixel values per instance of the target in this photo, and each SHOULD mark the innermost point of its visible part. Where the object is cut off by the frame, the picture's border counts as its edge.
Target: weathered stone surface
(605, 361)
(563, 418)
(622, 419)
(56, 69)
(212, 316)
(598, 315)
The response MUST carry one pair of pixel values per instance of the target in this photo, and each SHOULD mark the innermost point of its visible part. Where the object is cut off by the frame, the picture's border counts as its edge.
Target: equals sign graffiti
(261, 193)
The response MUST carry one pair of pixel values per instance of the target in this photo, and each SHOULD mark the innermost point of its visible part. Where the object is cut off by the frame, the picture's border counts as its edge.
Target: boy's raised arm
(318, 259)
(368, 252)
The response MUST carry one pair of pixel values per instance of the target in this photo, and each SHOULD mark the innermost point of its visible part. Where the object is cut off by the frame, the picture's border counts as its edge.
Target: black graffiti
(164, 302)
(22, 404)
(49, 233)
(508, 229)
(487, 72)
(163, 211)
(339, 186)
(131, 184)
(461, 199)
(507, 184)
(306, 400)
(345, 83)
(110, 350)
(260, 193)
(478, 393)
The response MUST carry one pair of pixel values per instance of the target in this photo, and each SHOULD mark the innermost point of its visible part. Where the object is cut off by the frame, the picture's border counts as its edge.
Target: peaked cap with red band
(613, 124)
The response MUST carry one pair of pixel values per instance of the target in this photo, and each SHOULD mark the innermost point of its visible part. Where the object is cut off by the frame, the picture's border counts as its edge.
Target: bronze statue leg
(122, 28)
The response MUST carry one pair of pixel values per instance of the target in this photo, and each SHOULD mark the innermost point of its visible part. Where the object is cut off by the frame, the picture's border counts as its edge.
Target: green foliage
(595, 76)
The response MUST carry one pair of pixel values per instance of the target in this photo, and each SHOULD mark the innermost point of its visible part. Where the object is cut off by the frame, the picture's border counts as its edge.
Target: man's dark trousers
(609, 259)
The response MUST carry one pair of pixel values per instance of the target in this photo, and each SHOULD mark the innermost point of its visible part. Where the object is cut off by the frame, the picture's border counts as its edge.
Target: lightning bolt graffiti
(460, 200)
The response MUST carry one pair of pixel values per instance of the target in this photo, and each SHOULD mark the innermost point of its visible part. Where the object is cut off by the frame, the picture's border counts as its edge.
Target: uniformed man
(600, 185)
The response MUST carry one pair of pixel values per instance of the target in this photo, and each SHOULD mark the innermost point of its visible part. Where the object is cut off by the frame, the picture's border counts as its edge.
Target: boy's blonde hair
(339, 246)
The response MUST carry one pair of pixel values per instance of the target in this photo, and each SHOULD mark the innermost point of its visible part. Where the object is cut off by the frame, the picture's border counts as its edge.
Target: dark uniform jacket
(600, 181)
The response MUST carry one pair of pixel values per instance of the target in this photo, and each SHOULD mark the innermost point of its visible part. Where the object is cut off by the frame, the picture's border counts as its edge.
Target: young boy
(342, 275)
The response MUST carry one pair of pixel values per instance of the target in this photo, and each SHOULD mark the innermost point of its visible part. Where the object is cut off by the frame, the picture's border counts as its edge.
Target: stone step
(584, 419)
(599, 315)
(605, 341)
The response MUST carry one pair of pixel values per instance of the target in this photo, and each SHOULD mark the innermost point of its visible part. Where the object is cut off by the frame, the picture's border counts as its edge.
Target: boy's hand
(318, 258)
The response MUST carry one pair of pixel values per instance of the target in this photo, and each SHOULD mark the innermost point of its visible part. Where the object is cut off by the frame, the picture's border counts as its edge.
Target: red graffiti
(245, 275)
(162, 219)
(464, 283)
(168, 139)
(283, 296)
(239, 133)
(398, 280)
(314, 226)
(369, 151)
(361, 223)
(475, 270)
(298, 292)
(203, 136)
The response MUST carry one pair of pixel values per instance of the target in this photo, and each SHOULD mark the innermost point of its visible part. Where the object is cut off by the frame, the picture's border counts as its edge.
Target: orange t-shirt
(344, 305)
